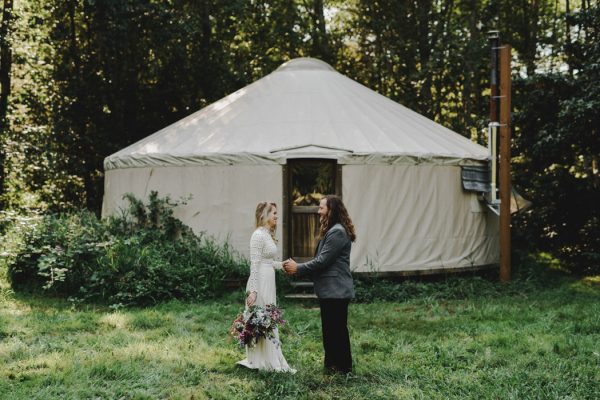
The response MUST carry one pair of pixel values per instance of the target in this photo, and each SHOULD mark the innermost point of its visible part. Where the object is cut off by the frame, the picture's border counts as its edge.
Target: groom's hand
(290, 266)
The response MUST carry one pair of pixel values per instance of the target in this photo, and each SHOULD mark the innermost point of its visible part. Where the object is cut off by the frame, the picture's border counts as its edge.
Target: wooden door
(308, 180)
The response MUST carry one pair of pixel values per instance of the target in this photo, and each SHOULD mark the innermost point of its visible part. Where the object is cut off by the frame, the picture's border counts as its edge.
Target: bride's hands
(251, 299)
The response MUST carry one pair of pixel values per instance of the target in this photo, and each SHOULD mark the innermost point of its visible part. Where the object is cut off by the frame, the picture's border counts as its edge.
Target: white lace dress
(266, 355)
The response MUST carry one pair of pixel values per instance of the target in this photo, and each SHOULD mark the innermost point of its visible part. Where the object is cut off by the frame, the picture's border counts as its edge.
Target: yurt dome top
(304, 109)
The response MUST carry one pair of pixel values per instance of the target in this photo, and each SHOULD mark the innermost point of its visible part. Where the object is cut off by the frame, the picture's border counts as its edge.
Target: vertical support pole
(494, 40)
(285, 207)
(493, 148)
(505, 185)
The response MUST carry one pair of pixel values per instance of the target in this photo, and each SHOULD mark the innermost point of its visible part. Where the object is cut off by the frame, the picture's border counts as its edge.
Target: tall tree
(558, 143)
(5, 84)
(320, 39)
(5, 56)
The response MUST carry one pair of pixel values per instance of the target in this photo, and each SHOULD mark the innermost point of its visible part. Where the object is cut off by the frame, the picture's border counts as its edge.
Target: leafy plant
(143, 256)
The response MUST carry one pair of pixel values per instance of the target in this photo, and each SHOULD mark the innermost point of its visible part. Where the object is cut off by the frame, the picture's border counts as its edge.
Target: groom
(330, 272)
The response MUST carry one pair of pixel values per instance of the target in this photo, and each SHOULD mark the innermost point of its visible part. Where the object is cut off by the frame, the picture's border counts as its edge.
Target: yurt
(303, 131)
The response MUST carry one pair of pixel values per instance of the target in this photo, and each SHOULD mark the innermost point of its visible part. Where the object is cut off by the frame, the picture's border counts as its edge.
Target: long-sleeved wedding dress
(266, 355)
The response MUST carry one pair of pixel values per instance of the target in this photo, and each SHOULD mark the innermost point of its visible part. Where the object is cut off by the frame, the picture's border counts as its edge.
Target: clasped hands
(290, 266)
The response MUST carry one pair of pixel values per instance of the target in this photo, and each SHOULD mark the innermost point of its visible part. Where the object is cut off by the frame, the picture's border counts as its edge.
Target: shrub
(58, 252)
(143, 256)
(530, 272)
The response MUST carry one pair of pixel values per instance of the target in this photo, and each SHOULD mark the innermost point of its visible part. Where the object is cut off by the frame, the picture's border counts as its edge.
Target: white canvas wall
(416, 217)
(407, 217)
(224, 196)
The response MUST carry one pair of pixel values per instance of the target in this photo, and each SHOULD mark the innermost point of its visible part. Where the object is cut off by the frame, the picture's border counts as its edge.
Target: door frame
(286, 233)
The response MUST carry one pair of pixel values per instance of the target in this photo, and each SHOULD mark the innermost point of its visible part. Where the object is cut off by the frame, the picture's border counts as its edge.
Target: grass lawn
(513, 345)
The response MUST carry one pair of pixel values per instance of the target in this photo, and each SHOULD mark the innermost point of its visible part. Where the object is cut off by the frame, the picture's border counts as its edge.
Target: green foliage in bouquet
(142, 256)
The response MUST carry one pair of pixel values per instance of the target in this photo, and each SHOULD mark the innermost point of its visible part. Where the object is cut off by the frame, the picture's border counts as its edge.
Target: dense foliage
(141, 257)
(80, 79)
(558, 151)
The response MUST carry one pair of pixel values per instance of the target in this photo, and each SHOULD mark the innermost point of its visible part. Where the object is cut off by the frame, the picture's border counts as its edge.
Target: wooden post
(505, 186)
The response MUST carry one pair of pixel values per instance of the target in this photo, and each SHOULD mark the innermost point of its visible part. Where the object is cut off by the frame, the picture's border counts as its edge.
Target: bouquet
(256, 322)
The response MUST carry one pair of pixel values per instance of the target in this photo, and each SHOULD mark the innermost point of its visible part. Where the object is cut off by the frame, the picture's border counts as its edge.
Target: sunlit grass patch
(550, 262)
(114, 320)
(593, 281)
(589, 285)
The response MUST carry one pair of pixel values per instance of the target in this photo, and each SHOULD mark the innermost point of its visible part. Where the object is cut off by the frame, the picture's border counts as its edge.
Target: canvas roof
(303, 109)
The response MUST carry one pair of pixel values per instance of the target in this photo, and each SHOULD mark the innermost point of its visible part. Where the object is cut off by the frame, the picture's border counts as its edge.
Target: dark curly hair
(337, 213)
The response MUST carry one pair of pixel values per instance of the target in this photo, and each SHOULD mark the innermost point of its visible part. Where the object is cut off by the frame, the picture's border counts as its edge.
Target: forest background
(81, 79)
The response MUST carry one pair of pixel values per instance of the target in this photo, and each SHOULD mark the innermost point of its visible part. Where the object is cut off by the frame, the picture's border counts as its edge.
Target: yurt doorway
(307, 181)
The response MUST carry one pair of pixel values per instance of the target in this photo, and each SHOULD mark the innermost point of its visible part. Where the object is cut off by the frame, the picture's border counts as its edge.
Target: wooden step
(302, 284)
(301, 296)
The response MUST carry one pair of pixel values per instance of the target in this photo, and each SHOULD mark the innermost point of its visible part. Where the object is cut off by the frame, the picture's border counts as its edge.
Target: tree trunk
(5, 58)
(207, 79)
(531, 17)
(5, 68)
(470, 88)
(568, 33)
(320, 41)
(424, 12)
(429, 34)
(78, 113)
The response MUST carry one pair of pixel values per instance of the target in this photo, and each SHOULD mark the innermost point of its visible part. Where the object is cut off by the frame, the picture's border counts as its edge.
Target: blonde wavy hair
(337, 213)
(262, 214)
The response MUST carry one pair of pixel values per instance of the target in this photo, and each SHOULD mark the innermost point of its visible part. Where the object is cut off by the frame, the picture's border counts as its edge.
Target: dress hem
(247, 364)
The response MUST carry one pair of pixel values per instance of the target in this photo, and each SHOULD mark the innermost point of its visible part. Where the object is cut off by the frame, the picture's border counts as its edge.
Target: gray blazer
(330, 269)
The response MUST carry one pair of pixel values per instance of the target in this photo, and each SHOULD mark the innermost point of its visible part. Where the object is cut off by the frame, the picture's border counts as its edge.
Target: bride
(266, 355)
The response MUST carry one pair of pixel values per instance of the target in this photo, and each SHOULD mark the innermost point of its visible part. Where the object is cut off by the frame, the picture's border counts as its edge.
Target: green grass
(512, 344)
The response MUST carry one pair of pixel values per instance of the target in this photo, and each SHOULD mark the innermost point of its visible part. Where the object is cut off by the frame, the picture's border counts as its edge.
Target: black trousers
(336, 340)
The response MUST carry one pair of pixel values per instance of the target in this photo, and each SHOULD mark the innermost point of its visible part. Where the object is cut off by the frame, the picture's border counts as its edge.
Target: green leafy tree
(558, 144)
(5, 83)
